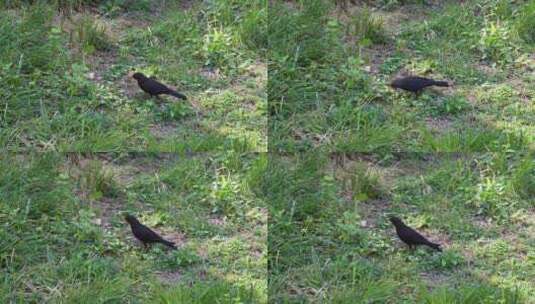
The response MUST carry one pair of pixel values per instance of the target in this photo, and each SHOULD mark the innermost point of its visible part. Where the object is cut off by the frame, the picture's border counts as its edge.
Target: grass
(67, 86)
(288, 118)
(64, 238)
(329, 71)
(330, 238)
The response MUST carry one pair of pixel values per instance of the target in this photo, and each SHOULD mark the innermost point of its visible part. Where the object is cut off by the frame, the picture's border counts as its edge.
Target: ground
(330, 238)
(277, 176)
(455, 163)
(65, 238)
(330, 70)
(84, 98)
(82, 145)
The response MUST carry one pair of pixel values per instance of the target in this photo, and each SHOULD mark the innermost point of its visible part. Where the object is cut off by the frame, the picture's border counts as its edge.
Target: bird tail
(441, 83)
(176, 94)
(434, 246)
(168, 243)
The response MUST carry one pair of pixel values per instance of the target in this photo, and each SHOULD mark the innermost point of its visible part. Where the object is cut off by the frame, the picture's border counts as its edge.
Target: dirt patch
(438, 124)
(372, 211)
(163, 131)
(169, 277)
(210, 73)
(216, 221)
(178, 238)
(107, 209)
(436, 236)
(482, 222)
(434, 279)
(376, 56)
(124, 22)
(129, 86)
(187, 4)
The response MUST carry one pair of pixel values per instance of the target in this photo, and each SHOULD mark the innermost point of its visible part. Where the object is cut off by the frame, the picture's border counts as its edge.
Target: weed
(367, 27)
(496, 43)
(98, 182)
(525, 23)
(365, 184)
(453, 105)
(91, 35)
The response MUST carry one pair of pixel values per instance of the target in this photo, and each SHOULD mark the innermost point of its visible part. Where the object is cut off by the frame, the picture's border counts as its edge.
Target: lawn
(64, 238)
(277, 176)
(330, 240)
(67, 86)
(329, 71)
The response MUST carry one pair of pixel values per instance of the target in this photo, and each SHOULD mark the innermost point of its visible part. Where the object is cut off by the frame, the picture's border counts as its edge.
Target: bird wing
(415, 236)
(146, 234)
(154, 86)
(426, 81)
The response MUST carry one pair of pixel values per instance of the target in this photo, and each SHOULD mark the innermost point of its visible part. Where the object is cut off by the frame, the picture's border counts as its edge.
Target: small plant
(97, 181)
(111, 8)
(217, 48)
(253, 29)
(392, 64)
(91, 35)
(225, 197)
(367, 27)
(365, 183)
(448, 260)
(175, 111)
(451, 105)
(492, 199)
(523, 179)
(496, 43)
(348, 228)
(181, 257)
(352, 74)
(525, 23)
(499, 95)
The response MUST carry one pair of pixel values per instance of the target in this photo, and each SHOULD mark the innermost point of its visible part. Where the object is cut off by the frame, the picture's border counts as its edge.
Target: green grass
(329, 71)
(64, 238)
(66, 84)
(289, 118)
(330, 238)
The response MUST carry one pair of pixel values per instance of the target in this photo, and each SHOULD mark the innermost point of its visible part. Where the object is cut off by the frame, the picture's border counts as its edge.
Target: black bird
(155, 88)
(410, 236)
(145, 234)
(415, 84)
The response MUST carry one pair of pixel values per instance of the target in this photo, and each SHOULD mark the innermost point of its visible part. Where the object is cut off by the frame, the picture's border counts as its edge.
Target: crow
(155, 88)
(415, 84)
(145, 234)
(410, 236)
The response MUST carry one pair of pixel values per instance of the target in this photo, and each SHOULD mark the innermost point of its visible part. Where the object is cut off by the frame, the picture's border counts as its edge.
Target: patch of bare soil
(170, 277)
(210, 73)
(217, 221)
(438, 237)
(167, 130)
(176, 237)
(434, 278)
(163, 131)
(438, 124)
(107, 209)
(372, 211)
